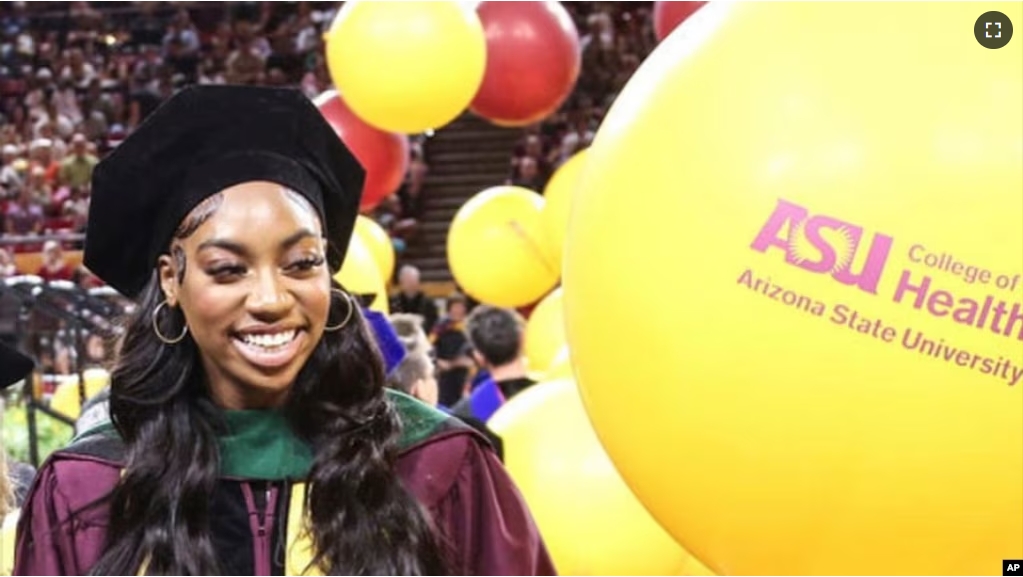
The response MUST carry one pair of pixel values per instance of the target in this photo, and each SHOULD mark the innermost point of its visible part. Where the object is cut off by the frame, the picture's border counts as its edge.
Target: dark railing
(22, 239)
(79, 312)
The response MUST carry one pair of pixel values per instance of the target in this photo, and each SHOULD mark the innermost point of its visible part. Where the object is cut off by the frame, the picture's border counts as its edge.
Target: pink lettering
(786, 213)
(999, 313)
(812, 230)
(790, 220)
(870, 275)
(1015, 316)
(919, 291)
(938, 300)
(998, 316)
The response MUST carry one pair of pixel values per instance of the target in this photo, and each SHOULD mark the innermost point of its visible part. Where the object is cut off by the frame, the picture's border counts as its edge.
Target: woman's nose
(269, 296)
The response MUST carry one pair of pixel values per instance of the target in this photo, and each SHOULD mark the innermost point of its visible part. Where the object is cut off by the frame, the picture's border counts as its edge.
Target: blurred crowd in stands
(615, 38)
(77, 77)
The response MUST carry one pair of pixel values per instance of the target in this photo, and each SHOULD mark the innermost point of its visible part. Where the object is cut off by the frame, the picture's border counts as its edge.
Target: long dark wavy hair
(363, 521)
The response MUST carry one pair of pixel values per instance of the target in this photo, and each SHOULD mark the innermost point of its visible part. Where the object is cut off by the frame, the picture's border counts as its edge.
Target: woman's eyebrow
(297, 237)
(223, 243)
(240, 250)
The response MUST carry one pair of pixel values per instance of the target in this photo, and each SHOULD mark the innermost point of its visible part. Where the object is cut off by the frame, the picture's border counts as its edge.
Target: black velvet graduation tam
(14, 366)
(201, 141)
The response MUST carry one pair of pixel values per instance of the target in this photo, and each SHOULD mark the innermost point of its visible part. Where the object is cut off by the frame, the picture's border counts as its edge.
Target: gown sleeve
(50, 540)
(40, 545)
(483, 518)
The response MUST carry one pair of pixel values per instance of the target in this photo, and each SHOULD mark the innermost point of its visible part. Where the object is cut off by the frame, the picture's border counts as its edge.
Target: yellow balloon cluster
(360, 275)
(831, 211)
(406, 66)
(591, 522)
(495, 248)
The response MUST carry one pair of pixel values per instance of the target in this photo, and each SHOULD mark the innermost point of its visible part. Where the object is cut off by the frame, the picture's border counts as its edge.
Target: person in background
(76, 168)
(409, 328)
(41, 151)
(496, 336)
(451, 344)
(24, 216)
(526, 174)
(40, 191)
(410, 331)
(8, 267)
(10, 177)
(411, 298)
(54, 265)
(411, 192)
(414, 376)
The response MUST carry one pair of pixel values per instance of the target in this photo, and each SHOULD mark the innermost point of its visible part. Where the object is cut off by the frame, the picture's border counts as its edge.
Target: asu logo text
(824, 244)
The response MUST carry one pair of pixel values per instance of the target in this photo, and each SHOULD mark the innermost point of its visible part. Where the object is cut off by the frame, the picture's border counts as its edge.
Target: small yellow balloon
(406, 66)
(545, 332)
(376, 239)
(831, 202)
(495, 248)
(557, 208)
(360, 275)
(65, 398)
(590, 521)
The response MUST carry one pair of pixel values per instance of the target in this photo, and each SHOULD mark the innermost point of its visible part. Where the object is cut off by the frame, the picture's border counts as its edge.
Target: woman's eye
(307, 263)
(226, 271)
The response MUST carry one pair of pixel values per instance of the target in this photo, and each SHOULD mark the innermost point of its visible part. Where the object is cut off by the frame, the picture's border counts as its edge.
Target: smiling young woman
(251, 431)
(252, 283)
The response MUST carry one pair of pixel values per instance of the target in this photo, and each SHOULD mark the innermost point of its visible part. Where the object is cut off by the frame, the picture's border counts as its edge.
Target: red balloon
(384, 155)
(668, 15)
(533, 61)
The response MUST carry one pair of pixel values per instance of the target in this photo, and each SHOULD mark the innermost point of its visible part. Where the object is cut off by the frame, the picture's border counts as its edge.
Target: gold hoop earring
(156, 326)
(348, 317)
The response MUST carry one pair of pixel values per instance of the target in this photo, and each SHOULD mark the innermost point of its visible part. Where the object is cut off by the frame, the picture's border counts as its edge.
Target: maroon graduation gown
(457, 478)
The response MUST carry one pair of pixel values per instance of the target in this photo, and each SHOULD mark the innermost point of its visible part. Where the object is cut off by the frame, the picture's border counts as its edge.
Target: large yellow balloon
(545, 332)
(359, 275)
(406, 66)
(832, 202)
(558, 197)
(495, 249)
(561, 365)
(591, 522)
(376, 239)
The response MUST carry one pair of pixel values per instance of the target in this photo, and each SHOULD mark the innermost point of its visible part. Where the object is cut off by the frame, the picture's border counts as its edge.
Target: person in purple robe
(250, 431)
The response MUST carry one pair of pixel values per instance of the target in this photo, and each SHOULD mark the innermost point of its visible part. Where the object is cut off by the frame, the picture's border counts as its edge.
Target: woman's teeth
(269, 341)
